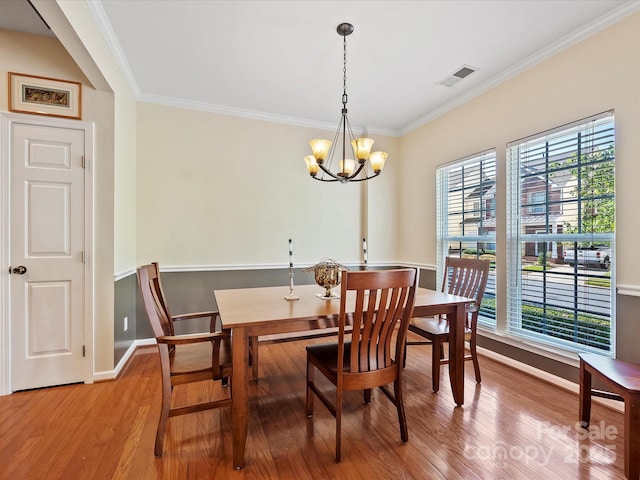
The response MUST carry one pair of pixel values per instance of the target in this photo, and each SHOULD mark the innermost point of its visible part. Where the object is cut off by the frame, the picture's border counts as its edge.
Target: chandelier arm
(352, 137)
(329, 159)
(355, 174)
(364, 178)
(361, 165)
(345, 121)
(328, 172)
(322, 179)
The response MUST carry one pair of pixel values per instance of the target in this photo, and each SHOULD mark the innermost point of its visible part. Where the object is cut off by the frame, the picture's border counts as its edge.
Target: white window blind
(466, 218)
(561, 236)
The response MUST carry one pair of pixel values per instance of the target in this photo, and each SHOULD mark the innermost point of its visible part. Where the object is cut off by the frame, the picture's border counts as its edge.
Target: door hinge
(83, 162)
(83, 257)
(84, 352)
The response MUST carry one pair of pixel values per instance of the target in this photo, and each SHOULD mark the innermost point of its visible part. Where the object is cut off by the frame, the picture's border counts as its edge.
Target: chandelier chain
(344, 71)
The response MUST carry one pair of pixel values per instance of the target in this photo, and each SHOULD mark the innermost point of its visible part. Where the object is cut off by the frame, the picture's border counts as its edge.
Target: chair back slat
(383, 306)
(466, 277)
(154, 300)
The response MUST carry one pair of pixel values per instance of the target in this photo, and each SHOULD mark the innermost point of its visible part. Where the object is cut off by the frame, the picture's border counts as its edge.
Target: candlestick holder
(365, 254)
(291, 297)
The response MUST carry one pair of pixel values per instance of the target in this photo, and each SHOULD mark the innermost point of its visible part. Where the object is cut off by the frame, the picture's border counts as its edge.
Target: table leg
(632, 436)
(239, 394)
(584, 408)
(253, 346)
(456, 354)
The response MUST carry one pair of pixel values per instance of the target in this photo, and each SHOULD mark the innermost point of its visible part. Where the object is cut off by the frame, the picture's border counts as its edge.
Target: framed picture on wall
(44, 96)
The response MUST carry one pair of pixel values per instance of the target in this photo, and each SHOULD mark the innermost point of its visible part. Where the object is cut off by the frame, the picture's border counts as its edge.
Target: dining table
(251, 312)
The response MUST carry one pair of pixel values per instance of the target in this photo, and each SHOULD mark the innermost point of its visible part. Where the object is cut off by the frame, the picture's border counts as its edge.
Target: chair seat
(432, 326)
(623, 379)
(326, 354)
(625, 375)
(197, 357)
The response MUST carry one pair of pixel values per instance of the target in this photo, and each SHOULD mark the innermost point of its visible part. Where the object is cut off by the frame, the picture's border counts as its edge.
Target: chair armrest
(187, 316)
(193, 338)
(215, 338)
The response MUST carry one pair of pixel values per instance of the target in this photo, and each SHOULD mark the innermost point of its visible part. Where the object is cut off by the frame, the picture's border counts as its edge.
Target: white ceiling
(20, 16)
(282, 60)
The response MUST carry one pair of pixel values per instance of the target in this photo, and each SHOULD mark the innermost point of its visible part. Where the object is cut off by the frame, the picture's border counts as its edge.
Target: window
(537, 202)
(466, 220)
(561, 236)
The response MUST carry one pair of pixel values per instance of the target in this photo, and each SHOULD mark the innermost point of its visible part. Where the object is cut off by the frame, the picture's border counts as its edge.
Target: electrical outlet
(126, 323)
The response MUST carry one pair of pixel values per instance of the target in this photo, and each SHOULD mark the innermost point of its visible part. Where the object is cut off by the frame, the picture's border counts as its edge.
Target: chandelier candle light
(291, 296)
(323, 150)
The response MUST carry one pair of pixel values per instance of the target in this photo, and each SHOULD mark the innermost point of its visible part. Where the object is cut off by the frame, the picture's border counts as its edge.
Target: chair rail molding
(631, 290)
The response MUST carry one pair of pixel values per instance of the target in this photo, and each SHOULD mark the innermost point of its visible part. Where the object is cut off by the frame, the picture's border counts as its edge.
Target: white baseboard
(548, 377)
(113, 374)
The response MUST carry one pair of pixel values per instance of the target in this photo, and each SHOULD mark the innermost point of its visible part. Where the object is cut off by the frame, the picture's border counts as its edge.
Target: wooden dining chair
(466, 277)
(372, 357)
(154, 274)
(212, 315)
(183, 358)
(622, 382)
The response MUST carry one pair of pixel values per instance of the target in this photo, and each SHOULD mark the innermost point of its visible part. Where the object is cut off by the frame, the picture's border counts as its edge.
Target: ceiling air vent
(463, 72)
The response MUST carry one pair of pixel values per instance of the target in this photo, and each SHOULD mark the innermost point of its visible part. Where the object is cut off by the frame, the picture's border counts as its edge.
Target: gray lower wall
(126, 292)
(628, 328)
(540, 362)
(627, 338)
(193, 291)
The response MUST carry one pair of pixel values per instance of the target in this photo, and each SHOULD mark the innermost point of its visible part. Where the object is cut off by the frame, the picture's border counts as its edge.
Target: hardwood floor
(512, 426)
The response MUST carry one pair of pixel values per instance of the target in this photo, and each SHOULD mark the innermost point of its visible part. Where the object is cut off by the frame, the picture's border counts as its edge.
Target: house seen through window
(561, 236)
(466, 211)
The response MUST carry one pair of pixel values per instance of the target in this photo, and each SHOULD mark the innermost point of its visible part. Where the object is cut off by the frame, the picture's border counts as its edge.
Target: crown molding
(569, 40)
(232, 111)
(538, 57)
(95, 7)
(252, 114)
(114, 46)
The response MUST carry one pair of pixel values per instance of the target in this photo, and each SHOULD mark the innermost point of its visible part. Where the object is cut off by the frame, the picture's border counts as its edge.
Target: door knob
(21, 270)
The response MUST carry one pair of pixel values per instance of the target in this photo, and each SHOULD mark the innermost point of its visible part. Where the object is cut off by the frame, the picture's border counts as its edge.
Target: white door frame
(6, 122)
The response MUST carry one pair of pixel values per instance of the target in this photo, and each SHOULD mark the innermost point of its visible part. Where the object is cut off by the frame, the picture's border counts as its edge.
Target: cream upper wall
(125, 137)
(217, 190)
(598, 74)
(33, 55)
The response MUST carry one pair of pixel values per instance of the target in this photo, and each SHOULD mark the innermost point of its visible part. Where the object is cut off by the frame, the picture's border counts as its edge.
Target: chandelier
(352, 166)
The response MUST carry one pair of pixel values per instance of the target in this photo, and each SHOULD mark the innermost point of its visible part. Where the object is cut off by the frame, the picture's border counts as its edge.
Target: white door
(46, 254)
